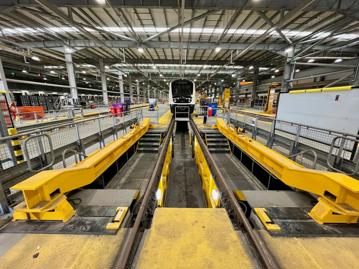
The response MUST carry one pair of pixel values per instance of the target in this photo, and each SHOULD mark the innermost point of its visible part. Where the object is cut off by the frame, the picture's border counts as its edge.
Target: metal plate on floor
(296, 222)
(95, 208)
(77, 225)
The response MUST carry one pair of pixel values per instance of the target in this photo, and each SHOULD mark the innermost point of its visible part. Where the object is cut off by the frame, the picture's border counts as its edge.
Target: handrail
(27, 155)
(315, 155)
(75, 154)
(330, 155)
(6, 138)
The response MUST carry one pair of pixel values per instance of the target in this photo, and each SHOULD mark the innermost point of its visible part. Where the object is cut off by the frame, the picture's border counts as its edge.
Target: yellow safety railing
(162, 185)
(208, 184)
(338, 194)
(44, 193)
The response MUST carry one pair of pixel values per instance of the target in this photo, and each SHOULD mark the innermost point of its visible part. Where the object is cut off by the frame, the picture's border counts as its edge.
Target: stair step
(148, 144)
(150, 139)
(216, 139)
(217, 150)
(147, 149)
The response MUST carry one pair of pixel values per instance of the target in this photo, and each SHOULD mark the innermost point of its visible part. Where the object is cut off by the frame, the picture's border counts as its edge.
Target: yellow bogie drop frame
(44, 193)
(338, 194)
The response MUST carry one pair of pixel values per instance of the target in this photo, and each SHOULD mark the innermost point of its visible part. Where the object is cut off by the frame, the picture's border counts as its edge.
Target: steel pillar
(148, 92)
(131, 92)
(122, 91)
(138, 91)
(255, 84)
(103, 82)
(289, 70)
(71, 74)
(3, 83)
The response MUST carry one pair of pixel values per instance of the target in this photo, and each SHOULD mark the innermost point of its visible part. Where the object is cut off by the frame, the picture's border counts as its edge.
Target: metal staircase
(216, 142)
(151, 141)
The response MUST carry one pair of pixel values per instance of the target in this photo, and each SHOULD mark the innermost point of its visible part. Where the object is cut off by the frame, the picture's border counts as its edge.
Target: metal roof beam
(321, 5)
(271, 24)
(79, 43)
(170, 29)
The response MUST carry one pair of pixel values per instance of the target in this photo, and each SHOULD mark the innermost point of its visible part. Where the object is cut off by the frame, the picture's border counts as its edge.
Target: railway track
(130, 246)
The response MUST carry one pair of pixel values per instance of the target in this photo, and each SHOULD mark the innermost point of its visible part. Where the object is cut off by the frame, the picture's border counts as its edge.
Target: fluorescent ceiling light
(276, 71)
(339, 60)
(140, 50)
(311, 61)
(273, 76)
(251, 67)
(24, 71)
(297, 70)
(217, 49)
(35, 58)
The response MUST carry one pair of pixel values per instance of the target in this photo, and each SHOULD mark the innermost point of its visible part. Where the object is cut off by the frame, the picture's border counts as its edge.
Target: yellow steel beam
(162, 185)
(44, 193)
(330, 89)
(338, 193)
(209, 186)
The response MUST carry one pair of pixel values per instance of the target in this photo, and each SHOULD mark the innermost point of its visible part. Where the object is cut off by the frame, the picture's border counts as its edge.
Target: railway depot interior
(179, 134)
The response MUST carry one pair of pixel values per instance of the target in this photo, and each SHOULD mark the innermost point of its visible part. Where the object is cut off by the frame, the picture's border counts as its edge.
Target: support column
(103, 82)
(122, 91)
(138, 91)
(289, 71)
(237, 91)
(148, 92)
(71, 75)
(356, 76)
(255, 84)
(131, 92)
(3, 83)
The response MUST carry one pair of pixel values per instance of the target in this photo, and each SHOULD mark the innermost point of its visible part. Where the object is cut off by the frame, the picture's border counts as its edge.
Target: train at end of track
(182, 96)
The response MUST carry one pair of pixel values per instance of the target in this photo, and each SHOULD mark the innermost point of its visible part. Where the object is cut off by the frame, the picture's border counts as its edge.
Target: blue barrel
(214, 108)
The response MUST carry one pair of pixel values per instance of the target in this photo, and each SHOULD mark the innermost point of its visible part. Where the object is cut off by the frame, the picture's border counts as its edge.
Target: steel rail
(263, 253)
(123, 258)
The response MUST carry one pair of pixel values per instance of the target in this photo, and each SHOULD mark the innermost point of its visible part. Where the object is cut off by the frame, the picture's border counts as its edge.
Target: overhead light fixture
(35, 58)
(24, 71)
(222, 80)
(154, 66)
(243, 80)
(107, 67)
(217, 49)
(161, 75)
(45, 78)
(297, 70)
(311, 61)
(233, 75)
(273, 76)
(276, 71)
(101, 2)
(339, 60)
(195, 80)
(288, 50)
(63, 78)
(164, 80)
(140, 50)
(198, 75)
(251, 67)
(84, 78)
(52, 72)
(83, 72)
